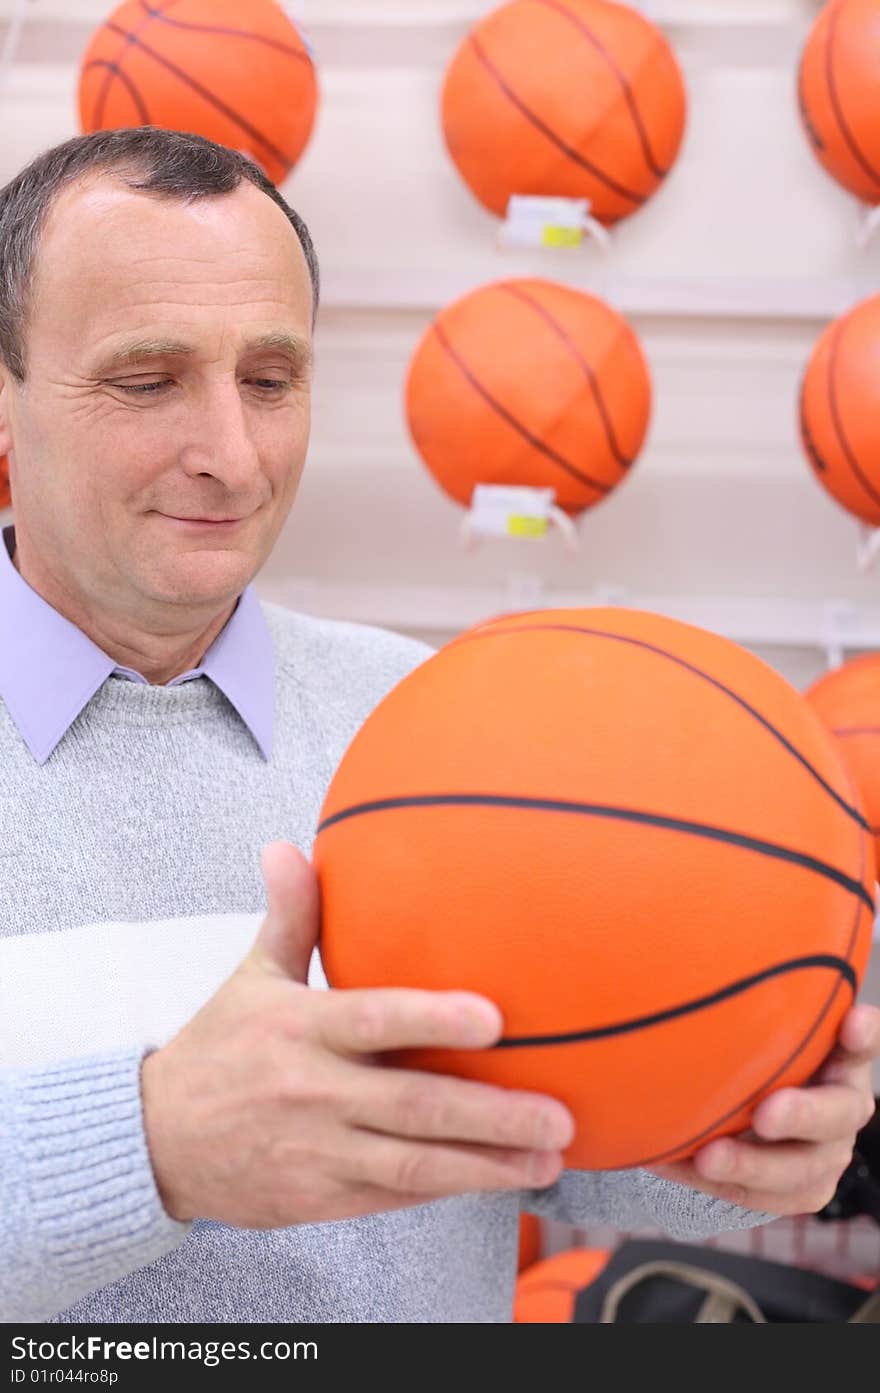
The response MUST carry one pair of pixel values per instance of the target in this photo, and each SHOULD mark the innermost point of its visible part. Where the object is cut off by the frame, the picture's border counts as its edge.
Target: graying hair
(165, 164)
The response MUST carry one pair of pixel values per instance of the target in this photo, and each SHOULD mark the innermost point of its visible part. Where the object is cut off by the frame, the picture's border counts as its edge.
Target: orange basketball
(840, 410)
(633, 836)
(546, 1293)
(529, 382)
(529, 1250)
(5, 495)
(838, 94)
(578, 98)
(237, 74)
(847, 701)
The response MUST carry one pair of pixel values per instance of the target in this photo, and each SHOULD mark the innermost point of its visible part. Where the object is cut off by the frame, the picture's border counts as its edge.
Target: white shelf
(419, 14)
(447, 609)
(430, 289)
(729, 35)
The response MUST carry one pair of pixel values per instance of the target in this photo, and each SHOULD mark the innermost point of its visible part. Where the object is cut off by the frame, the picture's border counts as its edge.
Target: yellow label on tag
(562, 236)
(526, 527)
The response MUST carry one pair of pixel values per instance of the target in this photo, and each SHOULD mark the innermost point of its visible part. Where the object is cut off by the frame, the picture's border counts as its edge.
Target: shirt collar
(50, 669)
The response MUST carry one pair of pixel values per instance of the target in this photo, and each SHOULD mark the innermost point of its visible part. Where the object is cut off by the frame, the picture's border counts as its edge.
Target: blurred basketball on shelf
(574, 98)
(546, 1292)
(634, 837)
(237, 74)
(840, 410)
(529, 1248)
(847, 701)
(5, 495)
(837, 91)
(529, 382)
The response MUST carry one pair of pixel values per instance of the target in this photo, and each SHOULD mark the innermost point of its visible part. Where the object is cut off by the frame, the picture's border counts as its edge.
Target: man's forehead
(115, 263)
(103, 228)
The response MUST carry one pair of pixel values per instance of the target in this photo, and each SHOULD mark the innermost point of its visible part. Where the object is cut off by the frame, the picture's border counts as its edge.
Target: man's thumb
(289, 931)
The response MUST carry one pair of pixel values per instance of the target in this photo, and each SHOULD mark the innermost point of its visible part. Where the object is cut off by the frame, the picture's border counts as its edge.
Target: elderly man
(188, 1130)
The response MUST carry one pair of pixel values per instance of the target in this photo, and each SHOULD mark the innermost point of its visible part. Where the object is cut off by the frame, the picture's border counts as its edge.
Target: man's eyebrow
(143, 350)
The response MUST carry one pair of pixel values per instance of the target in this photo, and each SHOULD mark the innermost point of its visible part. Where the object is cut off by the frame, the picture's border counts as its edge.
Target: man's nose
(219, 438)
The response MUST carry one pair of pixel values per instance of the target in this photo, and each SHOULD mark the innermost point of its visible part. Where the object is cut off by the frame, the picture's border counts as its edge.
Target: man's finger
(788, 1200)
(822, 1113)
(858, 1042)
(774, 1169)
(404, 1103)
(432, 1170)
(394, 1018)
(289, 931)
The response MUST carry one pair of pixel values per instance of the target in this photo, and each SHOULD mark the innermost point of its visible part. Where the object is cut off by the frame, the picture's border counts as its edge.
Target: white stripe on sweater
(98, 987)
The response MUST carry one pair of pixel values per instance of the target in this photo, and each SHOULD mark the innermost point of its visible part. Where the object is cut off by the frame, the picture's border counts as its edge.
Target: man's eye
(271, 384)
(142, 387)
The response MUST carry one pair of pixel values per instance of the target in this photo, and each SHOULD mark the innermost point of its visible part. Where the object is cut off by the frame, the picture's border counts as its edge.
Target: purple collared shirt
(50, 669)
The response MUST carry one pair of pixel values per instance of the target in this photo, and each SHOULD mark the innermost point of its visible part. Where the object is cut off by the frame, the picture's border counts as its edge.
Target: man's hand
(272, 1105)
(801, 1139)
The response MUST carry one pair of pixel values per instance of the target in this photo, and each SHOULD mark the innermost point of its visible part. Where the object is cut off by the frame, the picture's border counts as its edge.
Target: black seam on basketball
(628, 93)
(233, 33)
(551, 135)
(837, 419)
(116, 71)
(116, 65)
(101, 99)
(614, 814)
(762, 1088)
(807, 436)
(854, 148)
(490, 632)
(687, 1008)
(511, 420)
(201, 91)
(623, 460)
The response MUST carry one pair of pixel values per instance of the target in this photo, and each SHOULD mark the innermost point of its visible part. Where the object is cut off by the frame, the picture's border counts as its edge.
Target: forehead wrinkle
(132, 291)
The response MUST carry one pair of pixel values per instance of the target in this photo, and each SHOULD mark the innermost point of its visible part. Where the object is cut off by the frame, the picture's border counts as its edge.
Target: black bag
(654, 1281)
(858, 1190)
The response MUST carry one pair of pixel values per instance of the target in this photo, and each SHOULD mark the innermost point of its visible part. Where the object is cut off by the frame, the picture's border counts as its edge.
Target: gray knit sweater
(132, 888)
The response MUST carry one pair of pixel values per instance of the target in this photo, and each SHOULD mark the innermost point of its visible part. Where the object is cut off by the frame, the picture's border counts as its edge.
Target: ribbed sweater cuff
(95, 1209)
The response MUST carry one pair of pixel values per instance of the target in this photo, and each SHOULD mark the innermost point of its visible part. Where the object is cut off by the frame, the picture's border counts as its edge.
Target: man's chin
(206, 578)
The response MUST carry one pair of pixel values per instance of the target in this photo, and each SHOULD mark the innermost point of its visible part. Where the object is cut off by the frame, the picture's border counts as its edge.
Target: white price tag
(501, 510)
(538, 221)
(545, 222)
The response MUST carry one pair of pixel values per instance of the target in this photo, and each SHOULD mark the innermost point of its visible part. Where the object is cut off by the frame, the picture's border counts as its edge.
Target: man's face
(205, 419)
